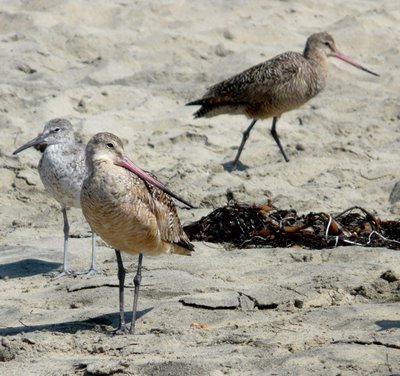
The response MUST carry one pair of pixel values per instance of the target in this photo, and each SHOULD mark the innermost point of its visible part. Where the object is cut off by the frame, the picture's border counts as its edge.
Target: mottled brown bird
(130, 210)
(269, 89)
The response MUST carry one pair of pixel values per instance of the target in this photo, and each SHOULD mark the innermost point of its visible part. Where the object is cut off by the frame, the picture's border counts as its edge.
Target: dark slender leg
(276, 137)
(121, 278)
(137, 280)
(246, 134)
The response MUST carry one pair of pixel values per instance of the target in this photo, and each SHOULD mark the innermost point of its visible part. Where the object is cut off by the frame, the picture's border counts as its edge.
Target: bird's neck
(318, 63)
(94, 167)
(53, 149)
(101, 170)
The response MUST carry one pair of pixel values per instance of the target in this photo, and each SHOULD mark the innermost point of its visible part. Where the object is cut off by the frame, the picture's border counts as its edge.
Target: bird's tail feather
(205, 108)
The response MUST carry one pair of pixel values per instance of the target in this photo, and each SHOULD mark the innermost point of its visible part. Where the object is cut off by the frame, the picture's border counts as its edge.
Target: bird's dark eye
(110, 145)
(56, 130)
(327, 44)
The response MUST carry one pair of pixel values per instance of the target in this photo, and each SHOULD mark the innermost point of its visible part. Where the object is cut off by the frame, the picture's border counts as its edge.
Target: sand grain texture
(129, 68)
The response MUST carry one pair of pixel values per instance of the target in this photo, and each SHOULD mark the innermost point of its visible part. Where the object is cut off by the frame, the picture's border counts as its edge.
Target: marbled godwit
(62, 169)
(278, 85)
(132, 212)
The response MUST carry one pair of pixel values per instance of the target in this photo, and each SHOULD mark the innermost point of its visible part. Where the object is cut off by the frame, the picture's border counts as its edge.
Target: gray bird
(62, 170)
(269, 89)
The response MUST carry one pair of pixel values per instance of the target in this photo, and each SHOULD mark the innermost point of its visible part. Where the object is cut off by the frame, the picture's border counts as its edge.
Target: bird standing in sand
(278, 85)
(62, 169)
(130, 209)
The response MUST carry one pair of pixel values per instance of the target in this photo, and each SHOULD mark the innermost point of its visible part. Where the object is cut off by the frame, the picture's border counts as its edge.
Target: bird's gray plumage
(62, 170)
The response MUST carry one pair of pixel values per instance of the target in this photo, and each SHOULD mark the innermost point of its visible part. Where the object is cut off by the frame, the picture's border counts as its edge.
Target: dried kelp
(244, 225)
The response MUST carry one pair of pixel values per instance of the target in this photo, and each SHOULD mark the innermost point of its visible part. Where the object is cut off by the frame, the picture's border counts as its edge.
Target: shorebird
(130, 210)
(273, 87)
(62, 169)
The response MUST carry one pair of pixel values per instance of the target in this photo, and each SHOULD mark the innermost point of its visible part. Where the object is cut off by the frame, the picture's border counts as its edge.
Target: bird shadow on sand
(72, 327)
(27, 268)
(239, 167)
(388, 324)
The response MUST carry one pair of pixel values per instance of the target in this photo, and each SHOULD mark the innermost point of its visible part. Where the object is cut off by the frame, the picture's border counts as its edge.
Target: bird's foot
(91, 271)
(72, 273)
(62, 273)
(230, 166)
(132, 329)
(121, 330)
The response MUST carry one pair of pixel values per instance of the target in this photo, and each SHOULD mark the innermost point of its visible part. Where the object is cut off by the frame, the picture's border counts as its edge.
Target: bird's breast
(286, 93)
(62, 175)
(117, 207)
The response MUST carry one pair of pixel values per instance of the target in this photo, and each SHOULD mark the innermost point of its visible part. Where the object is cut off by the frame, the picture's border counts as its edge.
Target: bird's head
(55, 131)
(323, 43)
(107, 148)
(104, 147)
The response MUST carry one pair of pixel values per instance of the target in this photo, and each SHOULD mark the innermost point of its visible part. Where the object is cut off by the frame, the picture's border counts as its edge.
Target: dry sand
(129, 67)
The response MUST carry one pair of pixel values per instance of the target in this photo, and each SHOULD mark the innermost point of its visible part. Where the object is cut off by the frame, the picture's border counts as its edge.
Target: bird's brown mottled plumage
(130, 209)
(129, 214)
(273, 87)
(254, 92)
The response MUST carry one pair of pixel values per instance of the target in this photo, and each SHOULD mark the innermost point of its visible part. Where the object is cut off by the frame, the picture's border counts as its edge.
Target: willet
(278, 85)
(130, 209)
(62, 169)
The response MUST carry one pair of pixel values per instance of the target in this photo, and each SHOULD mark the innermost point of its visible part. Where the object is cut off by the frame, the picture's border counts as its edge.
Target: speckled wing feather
(167, 218)
(260, 81)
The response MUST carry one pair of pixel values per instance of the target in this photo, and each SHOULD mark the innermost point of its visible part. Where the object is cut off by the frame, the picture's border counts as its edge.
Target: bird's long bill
(129, 165)
(36, 141)
(351, 62)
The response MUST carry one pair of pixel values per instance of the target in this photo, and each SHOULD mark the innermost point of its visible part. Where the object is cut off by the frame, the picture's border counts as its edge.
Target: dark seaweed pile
(245, 226)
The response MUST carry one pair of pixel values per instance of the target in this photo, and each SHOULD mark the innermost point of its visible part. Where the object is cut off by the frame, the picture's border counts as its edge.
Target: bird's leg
(276, 138)
(137, 281)
(65, 270)
(93, 269)
(246, 134)
(66, 237)
(121, 278)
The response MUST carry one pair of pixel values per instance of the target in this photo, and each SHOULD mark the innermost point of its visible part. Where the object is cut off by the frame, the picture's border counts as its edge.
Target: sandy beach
(129, 68)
